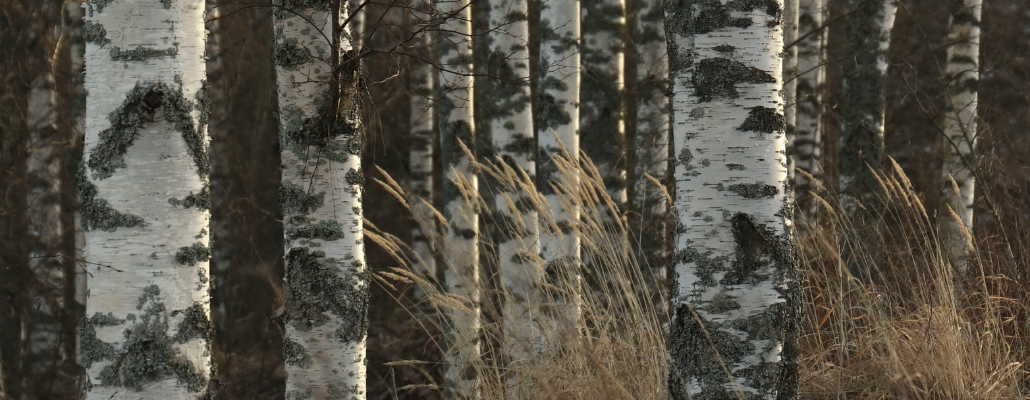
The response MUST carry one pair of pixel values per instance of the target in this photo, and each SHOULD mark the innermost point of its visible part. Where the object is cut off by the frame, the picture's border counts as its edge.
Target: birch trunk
(509, 116)
(652, 142)
(326, 284)
(602, 84)
(811, 75)
(963, 71)
(461, 242)
(557, 118)
(865, 74)
(147, 331)
(423, 126)
(736, 296)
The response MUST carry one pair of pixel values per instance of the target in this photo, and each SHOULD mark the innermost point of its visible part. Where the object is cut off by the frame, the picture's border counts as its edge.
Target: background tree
(737, 298)
(143, 189)
(326, 284)
(960, 134)
(811, 75)
(457, 133)
(423, 130)
(602, 83)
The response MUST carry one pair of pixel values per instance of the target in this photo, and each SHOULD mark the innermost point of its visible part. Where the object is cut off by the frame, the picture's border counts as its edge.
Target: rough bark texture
(601, 109)
(423, 128)
(960, 134)
(863, 100)
(326, 285)
(461, 248)
(147, 329)
(245, 212)
(649, 210)
(811, 75)
(736, 293)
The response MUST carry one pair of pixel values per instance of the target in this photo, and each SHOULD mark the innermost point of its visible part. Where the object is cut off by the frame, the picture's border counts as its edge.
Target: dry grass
(909, 330)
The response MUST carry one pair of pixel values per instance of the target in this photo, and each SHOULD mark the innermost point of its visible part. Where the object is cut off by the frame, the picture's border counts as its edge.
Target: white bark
(510, 116)
(421, 158)
(461, 242)
(736, 274)
(326, 285)
(148, 302)
(811, 75)
(960, 133)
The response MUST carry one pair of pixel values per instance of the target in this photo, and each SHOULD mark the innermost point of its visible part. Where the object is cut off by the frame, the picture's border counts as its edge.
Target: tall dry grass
(909, 329)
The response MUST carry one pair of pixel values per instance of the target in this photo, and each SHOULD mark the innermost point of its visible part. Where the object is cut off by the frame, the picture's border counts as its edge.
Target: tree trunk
(790, 83)
(736, 299)
(461, 241)
(509, 125)
(960, 135)
(602, 84)
(245, 212)
(651, 145)
(811, 75)
(865, 74)
(423, 127)
(146, 167)
(326, 284)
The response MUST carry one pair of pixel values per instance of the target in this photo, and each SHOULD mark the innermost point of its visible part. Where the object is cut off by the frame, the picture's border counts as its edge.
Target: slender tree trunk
(865, 74)
(509, 125)
(423, 127)
(557, 118)
(326, 283)
(651, 144)
(246, 223)
(811, 75)
(147, 333)
(963, 72)
(602, 84)
(790, 83)
(461, 277)
(737, 297)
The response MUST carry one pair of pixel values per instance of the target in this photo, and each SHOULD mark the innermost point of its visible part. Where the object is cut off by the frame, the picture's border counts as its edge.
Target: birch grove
(326, 286)
(811, 75)
(602, 82)
(461, 241)
(960, 134)
(146, 329)
(736, 296)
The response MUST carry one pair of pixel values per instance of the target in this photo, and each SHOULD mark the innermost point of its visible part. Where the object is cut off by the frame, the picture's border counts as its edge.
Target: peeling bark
(736, 296)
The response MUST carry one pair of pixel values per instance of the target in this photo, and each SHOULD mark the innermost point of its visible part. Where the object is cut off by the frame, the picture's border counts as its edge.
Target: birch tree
(652, 137)
(602, 84)
(864, 99)
(461, 242)
(736, 296)
(326, 286)
(509, 117)
(557, 119)
(960, 136)
(421, 152)
(811, 75)
(143, 195)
